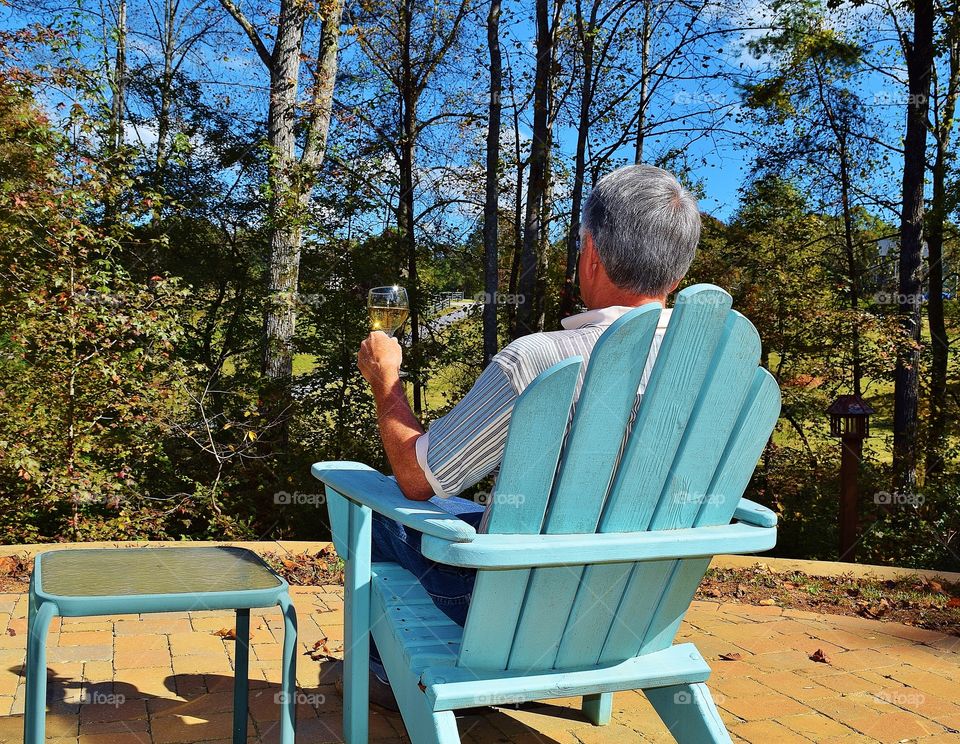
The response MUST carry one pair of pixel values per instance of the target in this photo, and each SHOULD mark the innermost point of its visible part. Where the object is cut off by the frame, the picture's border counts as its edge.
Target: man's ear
(589, 260)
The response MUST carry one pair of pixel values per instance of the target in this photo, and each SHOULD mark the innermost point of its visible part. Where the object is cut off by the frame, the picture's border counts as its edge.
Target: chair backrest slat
(589, 462)
(665, 437)
(755, 420)
(706, 413)
(538, 422)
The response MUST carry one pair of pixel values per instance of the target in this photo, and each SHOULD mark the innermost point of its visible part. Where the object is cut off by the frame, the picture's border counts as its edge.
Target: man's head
(639, 232)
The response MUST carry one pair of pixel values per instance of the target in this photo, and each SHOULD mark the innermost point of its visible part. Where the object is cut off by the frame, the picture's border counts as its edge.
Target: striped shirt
(466, 445)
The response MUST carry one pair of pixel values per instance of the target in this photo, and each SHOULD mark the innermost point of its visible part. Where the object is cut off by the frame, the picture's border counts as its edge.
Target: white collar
(604, 316)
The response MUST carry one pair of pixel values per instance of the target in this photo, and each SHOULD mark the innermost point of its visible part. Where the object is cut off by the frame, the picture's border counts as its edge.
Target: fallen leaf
(289, 564)
(954, 602)
(229, 634)
(321, 651)
(936, 587)
(713, 593)
(733, 656)
(11, 632)
(819, 656)
(768, 602)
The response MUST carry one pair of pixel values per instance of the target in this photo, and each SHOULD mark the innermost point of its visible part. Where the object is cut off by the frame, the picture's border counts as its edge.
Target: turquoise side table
(109, 581)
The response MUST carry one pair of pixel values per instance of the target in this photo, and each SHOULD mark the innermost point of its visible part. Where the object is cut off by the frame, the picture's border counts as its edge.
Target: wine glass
(388, 308)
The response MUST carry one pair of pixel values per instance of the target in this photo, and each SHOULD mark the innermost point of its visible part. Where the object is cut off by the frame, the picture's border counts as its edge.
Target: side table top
(119, 572)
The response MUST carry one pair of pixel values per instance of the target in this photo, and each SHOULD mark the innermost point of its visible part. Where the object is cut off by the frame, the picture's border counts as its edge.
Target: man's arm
(379, 361)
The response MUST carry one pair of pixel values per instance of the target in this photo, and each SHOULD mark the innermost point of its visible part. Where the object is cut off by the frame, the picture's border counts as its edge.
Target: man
(639, 234)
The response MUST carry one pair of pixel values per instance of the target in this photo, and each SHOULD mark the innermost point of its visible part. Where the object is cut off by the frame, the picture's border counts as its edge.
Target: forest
(197, 195)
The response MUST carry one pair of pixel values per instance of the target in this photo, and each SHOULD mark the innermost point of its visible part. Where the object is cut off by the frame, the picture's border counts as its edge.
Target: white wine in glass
(388, 308)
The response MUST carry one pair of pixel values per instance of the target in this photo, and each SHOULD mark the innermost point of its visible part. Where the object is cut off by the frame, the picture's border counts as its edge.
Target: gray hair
(645, 226)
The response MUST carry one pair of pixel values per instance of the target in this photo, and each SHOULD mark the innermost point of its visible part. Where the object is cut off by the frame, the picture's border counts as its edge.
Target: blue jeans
(448, 586)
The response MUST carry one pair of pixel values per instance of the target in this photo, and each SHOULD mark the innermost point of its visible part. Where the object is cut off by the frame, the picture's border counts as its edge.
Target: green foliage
(88, 363)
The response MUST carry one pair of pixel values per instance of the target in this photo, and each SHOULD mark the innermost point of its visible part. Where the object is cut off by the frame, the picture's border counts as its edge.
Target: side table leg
(35, 710)
(241, 683)
(288, 697)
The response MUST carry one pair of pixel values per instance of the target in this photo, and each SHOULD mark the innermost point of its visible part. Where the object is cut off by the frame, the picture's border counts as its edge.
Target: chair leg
(356, 627)
(241, 678)
(689, 713)
(35, 710)
(288, 708)
(338, 512)
(424, 725)
(598, 708)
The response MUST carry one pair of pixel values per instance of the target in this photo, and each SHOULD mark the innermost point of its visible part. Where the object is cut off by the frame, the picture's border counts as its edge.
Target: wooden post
(852, 451)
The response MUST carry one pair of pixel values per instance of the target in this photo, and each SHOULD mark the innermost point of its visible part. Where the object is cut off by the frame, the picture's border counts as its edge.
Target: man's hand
(379, 359)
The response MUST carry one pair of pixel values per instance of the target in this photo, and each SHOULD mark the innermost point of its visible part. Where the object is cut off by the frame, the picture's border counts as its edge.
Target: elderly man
(639, 234)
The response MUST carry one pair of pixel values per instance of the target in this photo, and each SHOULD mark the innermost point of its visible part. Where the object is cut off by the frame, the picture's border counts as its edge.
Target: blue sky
(720, 164)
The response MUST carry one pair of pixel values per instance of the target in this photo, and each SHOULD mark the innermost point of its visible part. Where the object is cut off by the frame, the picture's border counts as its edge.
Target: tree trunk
(853, 267)
(168, 42)
(644, 84)
(118, 84)
(118, 81)
(937, 218)
(321, 104)
(517, 225)
(543, 244)
(919, 55)
(290, 180)
(491, 264)
(286, 233)
(405, 222)
(536, 181)
(568, 295)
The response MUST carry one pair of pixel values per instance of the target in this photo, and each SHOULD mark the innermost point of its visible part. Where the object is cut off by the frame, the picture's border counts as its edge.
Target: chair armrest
(363, 485)
(753, 513)
(532, 551)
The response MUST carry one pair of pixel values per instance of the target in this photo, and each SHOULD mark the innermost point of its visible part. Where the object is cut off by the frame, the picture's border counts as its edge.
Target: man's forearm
(399, 430)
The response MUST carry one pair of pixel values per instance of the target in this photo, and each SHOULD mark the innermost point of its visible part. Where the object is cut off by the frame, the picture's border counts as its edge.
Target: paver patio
(167, 679)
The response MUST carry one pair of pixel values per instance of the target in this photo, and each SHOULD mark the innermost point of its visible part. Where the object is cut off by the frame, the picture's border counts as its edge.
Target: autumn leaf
(228, 634)
(820, 657)
(732, 656)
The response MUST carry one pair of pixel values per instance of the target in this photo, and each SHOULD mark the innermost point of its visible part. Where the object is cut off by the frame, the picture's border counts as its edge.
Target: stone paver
(167, 679)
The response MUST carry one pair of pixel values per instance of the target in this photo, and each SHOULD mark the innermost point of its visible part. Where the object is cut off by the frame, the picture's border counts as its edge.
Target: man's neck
(625, 299)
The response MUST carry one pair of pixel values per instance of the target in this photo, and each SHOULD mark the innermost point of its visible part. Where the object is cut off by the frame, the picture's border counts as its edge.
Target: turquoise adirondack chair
(595, 546)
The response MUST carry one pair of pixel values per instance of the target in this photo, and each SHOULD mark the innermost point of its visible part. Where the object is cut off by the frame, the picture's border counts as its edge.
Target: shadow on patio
(167, 679)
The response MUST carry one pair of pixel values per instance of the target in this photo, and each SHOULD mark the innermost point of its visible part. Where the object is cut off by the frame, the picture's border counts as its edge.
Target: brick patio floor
(167, 679)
